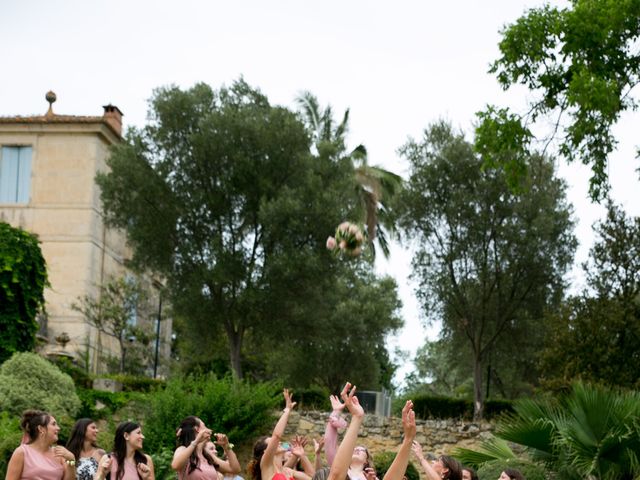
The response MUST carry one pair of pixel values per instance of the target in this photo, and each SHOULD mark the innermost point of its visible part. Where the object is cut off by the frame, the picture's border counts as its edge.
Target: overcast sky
(397, 65)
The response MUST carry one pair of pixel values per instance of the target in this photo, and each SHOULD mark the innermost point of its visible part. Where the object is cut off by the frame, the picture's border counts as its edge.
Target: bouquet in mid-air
(348, 240)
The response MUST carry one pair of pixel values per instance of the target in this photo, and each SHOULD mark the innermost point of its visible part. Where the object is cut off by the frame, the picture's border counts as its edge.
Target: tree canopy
(581, 64)
(488, 262)
(23, 278)
(223, 194)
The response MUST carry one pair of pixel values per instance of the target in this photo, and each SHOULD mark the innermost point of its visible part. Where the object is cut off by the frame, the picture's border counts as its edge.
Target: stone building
(47, 168)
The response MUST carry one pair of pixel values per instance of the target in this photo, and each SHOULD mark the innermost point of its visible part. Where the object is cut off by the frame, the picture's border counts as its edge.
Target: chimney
(113, 116)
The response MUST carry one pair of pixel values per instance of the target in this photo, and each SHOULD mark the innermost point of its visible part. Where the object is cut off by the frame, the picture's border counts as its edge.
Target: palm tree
(591, 433)
(374, 185)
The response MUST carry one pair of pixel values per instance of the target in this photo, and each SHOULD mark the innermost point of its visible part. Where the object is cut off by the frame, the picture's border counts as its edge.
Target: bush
(80, 377)
(382, 461)
(111, 401)
(237, 408)
(492, 470)
(29, 381)
(312, 398)
(442, 407)
(495, 408)
(134, 383)
(162, 464)
(10, 436)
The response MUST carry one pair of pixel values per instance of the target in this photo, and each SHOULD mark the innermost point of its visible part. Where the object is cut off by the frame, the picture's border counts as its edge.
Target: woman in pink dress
(38, 458)
(193, 461)
(127, 462)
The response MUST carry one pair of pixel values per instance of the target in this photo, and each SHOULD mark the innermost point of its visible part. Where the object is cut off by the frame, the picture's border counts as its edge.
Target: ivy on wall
(23, 278)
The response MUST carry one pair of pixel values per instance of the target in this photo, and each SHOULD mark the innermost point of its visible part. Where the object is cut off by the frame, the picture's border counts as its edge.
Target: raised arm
(398, 467)
(298, 444)
(182, 454)
(342, 460)
(231, 464)
(424, 463)
(331, 432)
(317, 449)
(266, 461)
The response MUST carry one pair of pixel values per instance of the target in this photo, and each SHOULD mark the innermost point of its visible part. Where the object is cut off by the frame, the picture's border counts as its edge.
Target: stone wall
(385, 433)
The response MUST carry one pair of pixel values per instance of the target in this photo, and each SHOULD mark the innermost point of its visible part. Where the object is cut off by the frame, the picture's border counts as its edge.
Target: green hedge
(134, 383)
(430, 406)
(10, 436)
(110, 402)
(241, 410)
(312, 398)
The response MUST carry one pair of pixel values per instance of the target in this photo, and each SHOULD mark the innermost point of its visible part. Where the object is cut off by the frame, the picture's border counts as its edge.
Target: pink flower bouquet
(348, 240)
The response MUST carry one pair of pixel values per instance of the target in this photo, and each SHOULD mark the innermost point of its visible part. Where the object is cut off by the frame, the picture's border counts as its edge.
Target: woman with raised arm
(37, 458)
(127, 462)
(398, 467)
(296, 458)
(443, 467)
(361, 466)
(83, 444)
(343, 458)
(268, 453)
(192, 461)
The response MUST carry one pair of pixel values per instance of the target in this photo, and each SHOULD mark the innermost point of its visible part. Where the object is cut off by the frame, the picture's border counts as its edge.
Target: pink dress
(130, 470)
(40, 467)
(205, 471)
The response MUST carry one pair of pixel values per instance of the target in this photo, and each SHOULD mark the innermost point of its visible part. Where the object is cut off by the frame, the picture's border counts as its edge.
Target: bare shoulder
(149, 460)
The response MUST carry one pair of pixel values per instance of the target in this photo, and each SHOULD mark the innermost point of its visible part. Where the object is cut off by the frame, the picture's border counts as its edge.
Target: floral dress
(86, 468)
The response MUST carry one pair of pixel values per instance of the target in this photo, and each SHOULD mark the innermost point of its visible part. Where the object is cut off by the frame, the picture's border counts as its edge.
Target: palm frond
(310, 107)
(490, 450)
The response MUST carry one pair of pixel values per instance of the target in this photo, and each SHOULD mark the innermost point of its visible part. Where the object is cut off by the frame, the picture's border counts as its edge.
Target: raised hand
(336, 404)
(222, 440)
(416, 448)
(350, 400)
(104, 466)
(409, 421)
(204, 435)
(318, 445)
(297, 448)
(288, 402)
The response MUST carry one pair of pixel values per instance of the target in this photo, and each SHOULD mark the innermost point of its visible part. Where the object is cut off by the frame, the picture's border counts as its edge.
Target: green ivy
(23, 278)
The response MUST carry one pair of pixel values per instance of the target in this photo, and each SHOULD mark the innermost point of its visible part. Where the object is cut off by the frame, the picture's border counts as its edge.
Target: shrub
(530, 471)
(383, 460)
(111, 402)
(162, 464)
(29, 381)
(442, 407)
(23, 277)
(10, 436)
(134, 383)
(237, 408)
(313, 398)
(495, 408)
(80, 377)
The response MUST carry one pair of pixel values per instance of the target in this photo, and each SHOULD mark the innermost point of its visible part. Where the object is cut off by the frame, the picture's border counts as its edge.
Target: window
(15, 174)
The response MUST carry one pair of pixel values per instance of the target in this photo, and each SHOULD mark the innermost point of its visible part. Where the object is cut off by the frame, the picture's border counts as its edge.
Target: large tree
(581, 64)
(596, 335)
(222, 195)
(488, 262)
(23, 278)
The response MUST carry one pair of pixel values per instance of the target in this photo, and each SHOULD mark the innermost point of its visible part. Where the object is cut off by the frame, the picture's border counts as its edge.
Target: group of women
(196, 456)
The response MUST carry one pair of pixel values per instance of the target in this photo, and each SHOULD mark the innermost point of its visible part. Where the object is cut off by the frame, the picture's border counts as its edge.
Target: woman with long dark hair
(268, 452)
(443, 467)
(83, 444)
(38, 458)
(192, 461)
(511, 474)
(127, 462)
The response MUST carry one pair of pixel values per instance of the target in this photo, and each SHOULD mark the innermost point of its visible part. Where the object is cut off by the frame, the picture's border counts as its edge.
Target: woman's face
(91, 433)
(360, 454)
(50, 431)
(504, 476)
(134, 439)
(210, 448)
(438, 466)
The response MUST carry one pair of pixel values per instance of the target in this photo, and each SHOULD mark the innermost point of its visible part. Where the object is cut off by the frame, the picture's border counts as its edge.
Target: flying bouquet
(348, 240)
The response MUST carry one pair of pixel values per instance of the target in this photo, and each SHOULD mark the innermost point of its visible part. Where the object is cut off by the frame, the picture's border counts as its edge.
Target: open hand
(409, 421)
(318, 445)
(336, 404)
(288, 402)
(350, 400)
(416, 448)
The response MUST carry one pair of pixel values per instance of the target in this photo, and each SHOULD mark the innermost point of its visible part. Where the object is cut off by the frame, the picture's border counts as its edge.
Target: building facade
(48, 164)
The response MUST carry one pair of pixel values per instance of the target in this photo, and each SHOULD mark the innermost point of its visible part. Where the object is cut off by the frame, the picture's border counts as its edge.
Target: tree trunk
(235, 346)
(478, 401)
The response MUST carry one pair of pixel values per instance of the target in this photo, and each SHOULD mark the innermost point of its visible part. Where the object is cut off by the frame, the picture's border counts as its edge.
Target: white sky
(397, 65)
